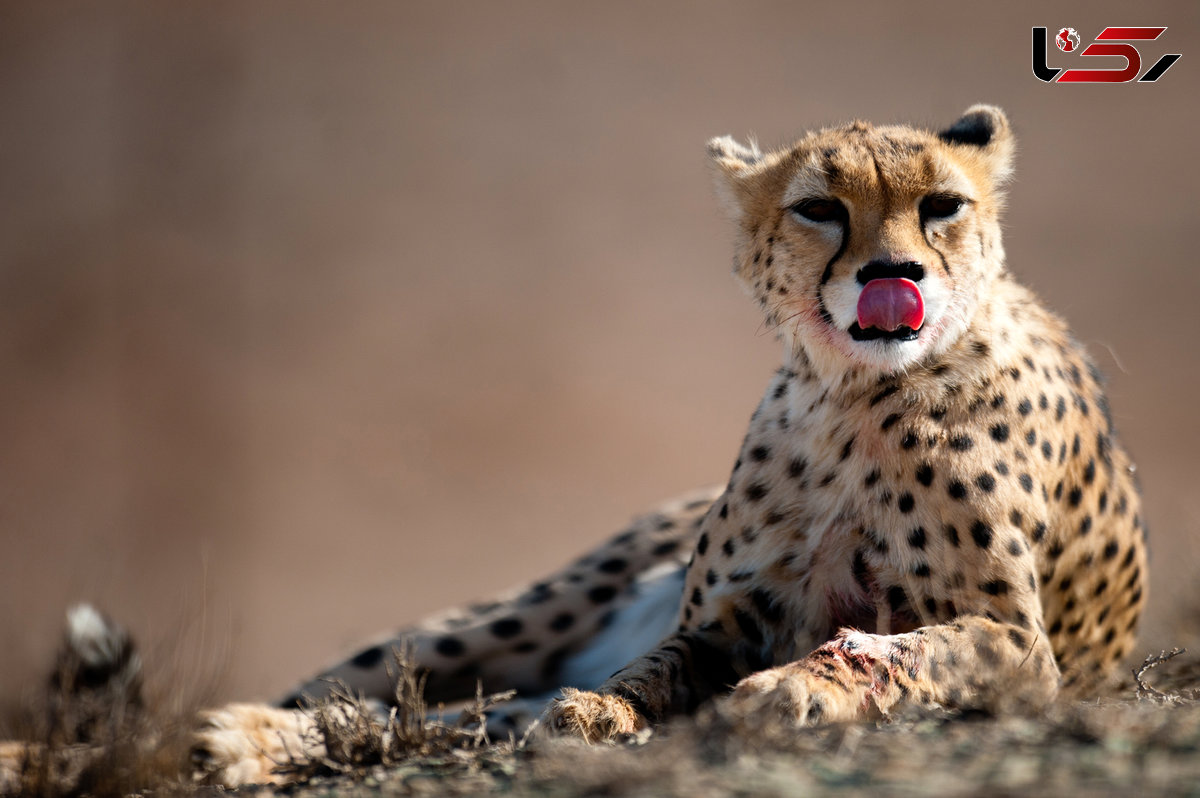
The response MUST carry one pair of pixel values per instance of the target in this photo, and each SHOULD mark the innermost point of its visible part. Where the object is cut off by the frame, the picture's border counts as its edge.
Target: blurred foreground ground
(316, 318)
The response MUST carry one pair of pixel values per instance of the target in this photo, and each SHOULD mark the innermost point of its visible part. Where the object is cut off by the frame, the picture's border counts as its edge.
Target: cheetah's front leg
(972, 662)
(686, 669)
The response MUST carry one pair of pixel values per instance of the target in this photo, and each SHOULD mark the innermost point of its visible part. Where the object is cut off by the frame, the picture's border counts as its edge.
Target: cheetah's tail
(97, 680)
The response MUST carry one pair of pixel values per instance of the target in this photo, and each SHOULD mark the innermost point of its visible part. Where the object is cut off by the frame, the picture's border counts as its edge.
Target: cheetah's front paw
(593, 717)
(247, 744)
(792, 695)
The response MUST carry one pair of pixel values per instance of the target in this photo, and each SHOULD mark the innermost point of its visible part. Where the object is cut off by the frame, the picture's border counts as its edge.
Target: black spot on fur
(925, 474)
(884, 394)
(862, 575)
(748, 626)
(553, 663)
(615, 565)
(1026, 482)
(507, 628)
(916, 538)
(981, 533)
(996, 587)
(889, 421)
(961, 443)
(702, 544)
(368, 658)
(957, 490)
(905, 503)
(986, 482)
(999, 432)
(767, 605)
(909, 440)
(562, 622)
(755, 491)
(601, 594)
(796, 467)
(449, 647)
(665, 548)
(760, 453)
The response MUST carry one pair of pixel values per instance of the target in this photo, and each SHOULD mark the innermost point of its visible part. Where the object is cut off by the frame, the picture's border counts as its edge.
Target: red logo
(1067, 39)
(1068, 42)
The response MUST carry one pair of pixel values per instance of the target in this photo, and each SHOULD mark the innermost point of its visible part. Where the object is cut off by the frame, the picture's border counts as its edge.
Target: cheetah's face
(869, 247)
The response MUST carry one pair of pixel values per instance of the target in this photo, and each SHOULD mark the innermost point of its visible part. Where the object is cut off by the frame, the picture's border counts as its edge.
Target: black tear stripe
(828, 273)
(942, 258)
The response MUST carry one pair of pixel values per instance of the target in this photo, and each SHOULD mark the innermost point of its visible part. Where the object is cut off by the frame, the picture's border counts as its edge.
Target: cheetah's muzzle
(890, 308)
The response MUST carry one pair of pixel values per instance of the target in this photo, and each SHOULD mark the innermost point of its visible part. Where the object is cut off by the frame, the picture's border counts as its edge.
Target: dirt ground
(315, 318)
(1114, 750)
(1141, 740)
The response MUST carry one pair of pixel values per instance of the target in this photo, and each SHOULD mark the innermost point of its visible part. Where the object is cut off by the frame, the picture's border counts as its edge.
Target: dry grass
(1144, 739)
(353, 735)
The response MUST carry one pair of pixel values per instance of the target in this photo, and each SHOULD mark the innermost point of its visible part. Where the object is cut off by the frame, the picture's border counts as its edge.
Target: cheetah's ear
(985, 129)
(735, 163)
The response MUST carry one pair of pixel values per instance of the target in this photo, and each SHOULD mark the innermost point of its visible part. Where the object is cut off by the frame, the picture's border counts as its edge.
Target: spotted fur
(947, 520)
(939, 518)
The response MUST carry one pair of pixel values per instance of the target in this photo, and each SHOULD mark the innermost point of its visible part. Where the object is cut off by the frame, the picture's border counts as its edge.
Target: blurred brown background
(317, 317)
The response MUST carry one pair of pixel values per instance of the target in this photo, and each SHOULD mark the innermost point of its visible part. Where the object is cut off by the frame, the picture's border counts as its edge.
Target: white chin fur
(841, 300)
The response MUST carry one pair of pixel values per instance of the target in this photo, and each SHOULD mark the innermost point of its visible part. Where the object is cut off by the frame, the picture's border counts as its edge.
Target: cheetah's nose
(891, 303)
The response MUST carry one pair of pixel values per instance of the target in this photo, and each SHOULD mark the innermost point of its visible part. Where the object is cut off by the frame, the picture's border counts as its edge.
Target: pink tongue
(889, 304)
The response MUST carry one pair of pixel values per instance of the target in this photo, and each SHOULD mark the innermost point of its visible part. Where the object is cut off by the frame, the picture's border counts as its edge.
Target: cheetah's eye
(940, 206)
(821, 210)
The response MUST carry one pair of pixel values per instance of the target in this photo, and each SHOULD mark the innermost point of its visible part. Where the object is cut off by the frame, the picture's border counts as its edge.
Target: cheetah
(930, 507)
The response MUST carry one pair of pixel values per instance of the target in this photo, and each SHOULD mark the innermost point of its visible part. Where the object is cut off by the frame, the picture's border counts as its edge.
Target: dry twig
(1145, 691)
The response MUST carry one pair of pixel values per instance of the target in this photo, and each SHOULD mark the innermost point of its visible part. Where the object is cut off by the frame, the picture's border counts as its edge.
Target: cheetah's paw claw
(593, 717)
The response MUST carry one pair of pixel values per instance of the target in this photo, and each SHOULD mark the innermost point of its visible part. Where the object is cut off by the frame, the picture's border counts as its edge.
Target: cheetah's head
(870, 246)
